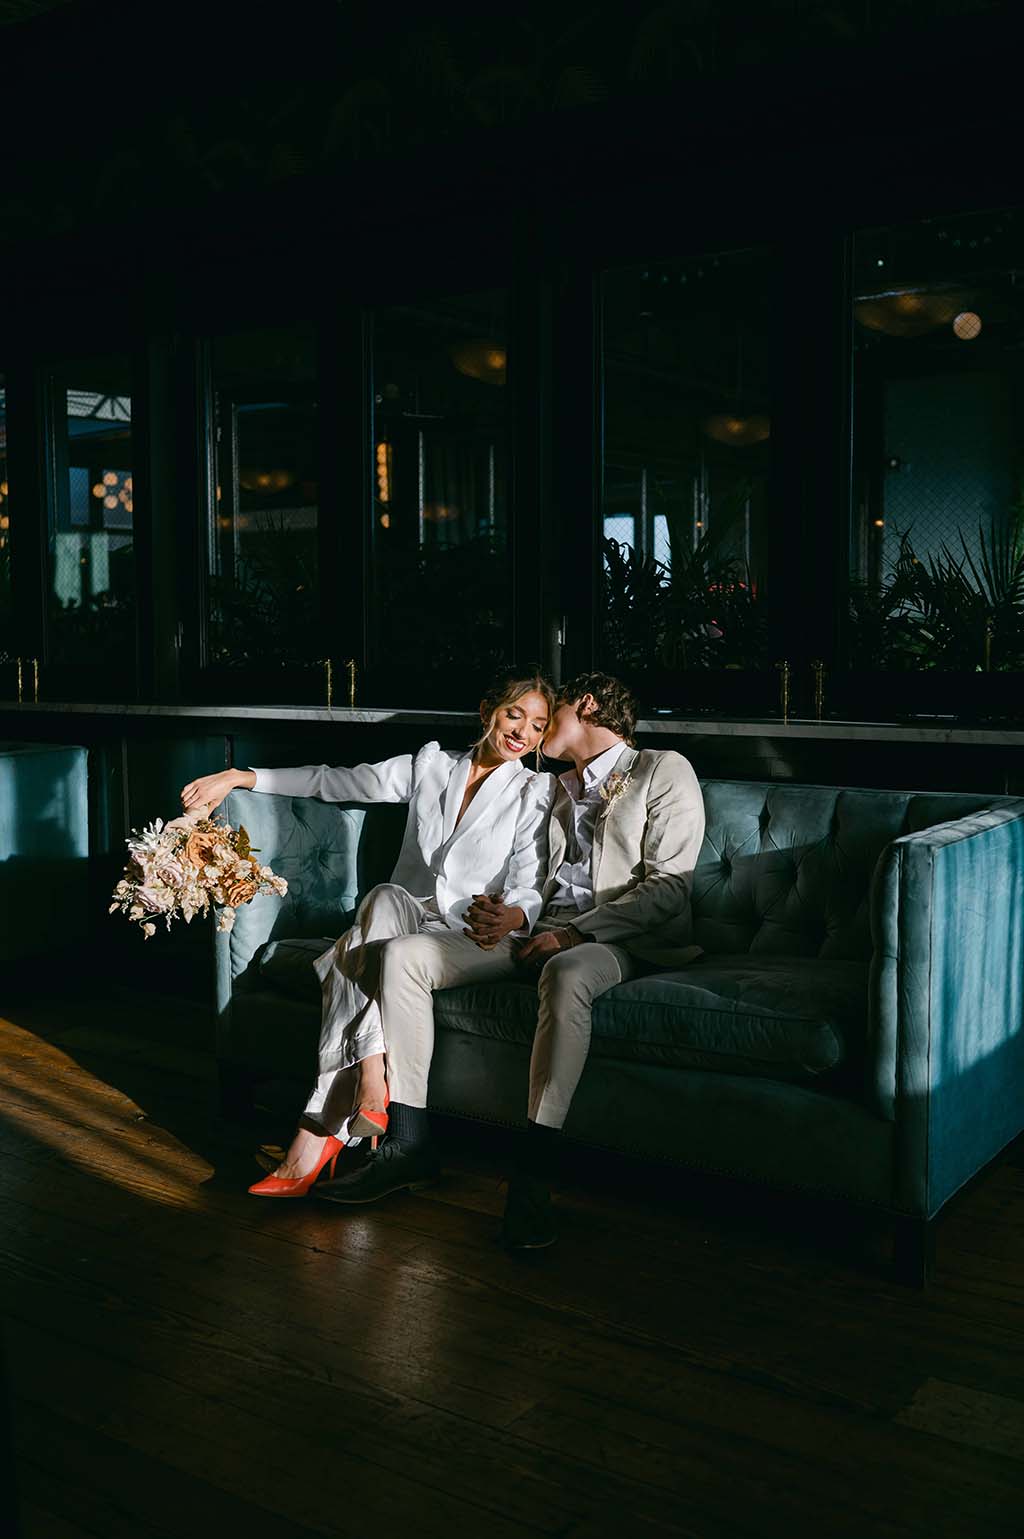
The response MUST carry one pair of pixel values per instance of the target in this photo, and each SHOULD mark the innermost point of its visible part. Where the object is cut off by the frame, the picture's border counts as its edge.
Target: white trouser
(349, 975)
(412, 967)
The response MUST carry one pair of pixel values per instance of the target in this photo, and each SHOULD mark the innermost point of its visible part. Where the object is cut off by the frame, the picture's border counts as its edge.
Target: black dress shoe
(529, 1223)
(390, 1168)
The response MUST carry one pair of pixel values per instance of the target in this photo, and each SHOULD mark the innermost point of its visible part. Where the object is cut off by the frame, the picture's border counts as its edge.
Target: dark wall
(152, 140)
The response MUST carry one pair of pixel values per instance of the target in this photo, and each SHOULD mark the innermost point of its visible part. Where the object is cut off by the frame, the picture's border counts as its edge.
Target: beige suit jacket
(646, 843)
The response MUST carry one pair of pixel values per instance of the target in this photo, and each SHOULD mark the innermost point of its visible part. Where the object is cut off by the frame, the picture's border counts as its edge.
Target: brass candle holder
(818, 669)
(783, 668)
(20, 673)
(350, 669)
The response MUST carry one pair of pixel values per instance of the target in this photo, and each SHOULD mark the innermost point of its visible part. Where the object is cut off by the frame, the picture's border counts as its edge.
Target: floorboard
(693, 1359)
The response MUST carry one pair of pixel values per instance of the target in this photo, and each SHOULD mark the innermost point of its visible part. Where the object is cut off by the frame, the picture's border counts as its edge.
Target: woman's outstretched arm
(210, 790)
(389, 781)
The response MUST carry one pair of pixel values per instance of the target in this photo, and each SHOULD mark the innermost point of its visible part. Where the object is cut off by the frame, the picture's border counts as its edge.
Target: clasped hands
(489, 920)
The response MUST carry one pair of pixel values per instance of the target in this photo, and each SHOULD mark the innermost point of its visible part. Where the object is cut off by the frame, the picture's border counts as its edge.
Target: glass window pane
(6, 604)
(262, 589)
(620, 527)
(440, 600)
(662, 540)
(91, 602)
(687, 430)
(937, 549)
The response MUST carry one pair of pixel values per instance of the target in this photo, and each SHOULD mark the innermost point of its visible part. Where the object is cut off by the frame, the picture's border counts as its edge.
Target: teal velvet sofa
(855, 1026)
(44, 850)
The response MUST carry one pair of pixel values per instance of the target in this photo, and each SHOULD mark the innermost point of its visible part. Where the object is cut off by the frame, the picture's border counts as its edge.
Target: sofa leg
(236, 1092)
(913, 1251)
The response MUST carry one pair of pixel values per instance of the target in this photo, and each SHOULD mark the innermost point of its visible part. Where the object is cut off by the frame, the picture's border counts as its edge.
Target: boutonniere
(612, 787)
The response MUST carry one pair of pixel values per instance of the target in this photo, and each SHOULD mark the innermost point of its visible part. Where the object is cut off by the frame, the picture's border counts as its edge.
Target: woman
(485, 887)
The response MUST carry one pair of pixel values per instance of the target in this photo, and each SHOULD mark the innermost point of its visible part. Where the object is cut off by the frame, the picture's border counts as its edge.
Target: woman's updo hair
(508, 686)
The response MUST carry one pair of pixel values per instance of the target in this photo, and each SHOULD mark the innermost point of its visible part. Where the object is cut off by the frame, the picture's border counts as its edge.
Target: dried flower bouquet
(178, 869)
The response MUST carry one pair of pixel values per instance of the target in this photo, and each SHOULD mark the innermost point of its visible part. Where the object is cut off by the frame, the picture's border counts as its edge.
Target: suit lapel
(558, 830)
(497, 782)
(623, 766)
(454, 792)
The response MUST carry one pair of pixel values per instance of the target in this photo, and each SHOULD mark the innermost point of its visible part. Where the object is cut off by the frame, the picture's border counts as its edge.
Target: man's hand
(489, 920)
(538, 949)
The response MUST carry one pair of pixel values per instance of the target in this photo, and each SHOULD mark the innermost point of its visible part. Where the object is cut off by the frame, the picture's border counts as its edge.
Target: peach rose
(201, 849)
(241, 891)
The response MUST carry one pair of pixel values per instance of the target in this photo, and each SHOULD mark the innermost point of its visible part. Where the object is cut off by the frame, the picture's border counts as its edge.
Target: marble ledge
(340, 715)
(934, 732)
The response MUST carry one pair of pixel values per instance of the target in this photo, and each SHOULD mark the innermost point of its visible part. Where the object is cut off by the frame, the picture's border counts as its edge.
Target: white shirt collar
(595, 771)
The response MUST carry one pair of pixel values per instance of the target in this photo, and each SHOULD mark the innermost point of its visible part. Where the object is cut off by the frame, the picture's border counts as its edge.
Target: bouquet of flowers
(181, 867)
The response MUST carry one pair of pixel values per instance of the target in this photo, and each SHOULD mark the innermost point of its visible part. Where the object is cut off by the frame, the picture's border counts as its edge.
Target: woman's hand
(210, 790)
(489, 920)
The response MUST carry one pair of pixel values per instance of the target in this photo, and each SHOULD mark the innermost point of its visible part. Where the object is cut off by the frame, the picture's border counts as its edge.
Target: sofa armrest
(946, 1037)
(316, 847)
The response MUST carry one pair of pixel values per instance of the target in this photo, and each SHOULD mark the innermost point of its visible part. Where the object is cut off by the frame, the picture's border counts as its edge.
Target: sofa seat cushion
(785, 1017)
(747, 1014)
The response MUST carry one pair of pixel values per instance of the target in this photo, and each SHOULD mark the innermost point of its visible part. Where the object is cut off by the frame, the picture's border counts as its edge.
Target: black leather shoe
(529, 1223)
(390, 1168)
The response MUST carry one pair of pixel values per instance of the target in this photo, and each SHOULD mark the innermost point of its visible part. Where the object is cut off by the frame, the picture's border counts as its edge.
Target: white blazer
(500, 846)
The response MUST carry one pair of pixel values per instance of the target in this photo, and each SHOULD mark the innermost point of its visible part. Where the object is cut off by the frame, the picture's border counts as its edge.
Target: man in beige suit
(625, 834)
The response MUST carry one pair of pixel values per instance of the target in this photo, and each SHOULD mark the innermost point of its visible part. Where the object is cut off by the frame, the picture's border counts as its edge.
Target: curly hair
(508, 686)
(616, 705)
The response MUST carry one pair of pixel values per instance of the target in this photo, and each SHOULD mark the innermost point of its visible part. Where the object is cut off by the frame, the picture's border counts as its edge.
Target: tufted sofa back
(330, 855)
(786, 869)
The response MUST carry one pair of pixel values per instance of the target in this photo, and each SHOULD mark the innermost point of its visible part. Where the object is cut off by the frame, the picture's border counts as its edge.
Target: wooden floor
(186, 1361)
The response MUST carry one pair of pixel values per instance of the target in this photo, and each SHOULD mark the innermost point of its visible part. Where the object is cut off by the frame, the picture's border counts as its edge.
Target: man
(625, 833)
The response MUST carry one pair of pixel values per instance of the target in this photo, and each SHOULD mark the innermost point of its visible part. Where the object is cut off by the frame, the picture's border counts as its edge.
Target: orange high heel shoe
(369, 1124)
(282, 1186)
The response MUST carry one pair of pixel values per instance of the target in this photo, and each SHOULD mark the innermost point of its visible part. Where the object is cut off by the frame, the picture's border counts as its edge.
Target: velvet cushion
(781, 1017)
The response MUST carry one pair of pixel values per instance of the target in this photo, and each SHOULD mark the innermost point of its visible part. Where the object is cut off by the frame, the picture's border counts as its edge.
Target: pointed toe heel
(281, 1186)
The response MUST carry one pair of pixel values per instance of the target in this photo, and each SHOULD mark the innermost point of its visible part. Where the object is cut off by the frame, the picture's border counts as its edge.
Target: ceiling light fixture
(481, 358)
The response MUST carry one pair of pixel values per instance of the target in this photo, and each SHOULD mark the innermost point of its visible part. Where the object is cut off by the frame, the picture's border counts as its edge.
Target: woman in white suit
(470, 873)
